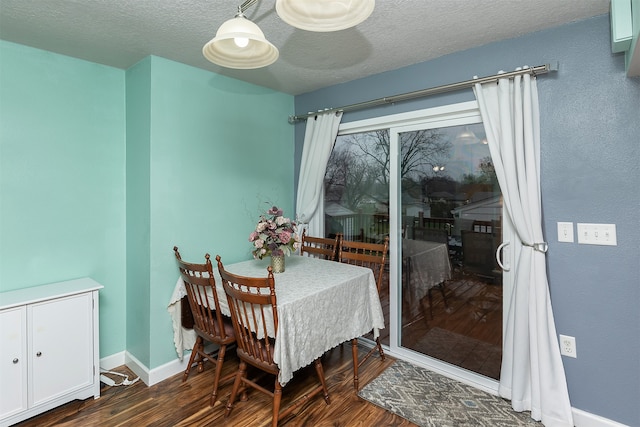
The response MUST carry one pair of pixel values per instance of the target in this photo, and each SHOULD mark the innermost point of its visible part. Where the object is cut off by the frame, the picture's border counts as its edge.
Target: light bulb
(241, 41)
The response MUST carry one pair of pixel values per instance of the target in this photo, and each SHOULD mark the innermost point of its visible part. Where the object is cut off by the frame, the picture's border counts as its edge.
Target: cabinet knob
(39, 354)
(15, 360)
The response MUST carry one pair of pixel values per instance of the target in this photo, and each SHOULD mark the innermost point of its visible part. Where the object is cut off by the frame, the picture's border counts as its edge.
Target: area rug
(460, 350)
(432, 400)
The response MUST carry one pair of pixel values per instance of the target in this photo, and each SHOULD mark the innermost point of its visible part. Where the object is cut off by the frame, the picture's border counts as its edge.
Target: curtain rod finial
(553, 65)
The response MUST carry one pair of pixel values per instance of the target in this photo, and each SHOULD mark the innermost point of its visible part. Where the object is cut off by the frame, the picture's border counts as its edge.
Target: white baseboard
(147, 376)
(113, 361)
(587, 419)
(167, 370)
(155, 375)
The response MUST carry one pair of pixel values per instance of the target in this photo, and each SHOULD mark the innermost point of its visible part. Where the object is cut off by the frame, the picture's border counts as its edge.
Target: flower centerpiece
(275, 235)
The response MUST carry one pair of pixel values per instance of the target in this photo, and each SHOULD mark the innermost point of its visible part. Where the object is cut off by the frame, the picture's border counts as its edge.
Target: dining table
(320, 304)
(427, 266)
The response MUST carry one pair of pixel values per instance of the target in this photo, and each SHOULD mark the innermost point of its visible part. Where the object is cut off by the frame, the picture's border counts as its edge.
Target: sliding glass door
(426, 180)
(451, 221)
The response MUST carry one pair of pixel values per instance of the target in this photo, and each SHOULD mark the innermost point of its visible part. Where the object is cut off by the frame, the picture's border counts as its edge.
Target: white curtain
(320, 135)
(532, 375)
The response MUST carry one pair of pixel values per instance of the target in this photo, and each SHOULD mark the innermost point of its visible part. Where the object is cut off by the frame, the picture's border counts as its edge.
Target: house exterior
(486, 210)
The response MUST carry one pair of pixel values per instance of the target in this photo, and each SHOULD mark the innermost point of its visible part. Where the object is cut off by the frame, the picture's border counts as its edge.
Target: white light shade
(324, 15)
(466, 137)
(224, 50)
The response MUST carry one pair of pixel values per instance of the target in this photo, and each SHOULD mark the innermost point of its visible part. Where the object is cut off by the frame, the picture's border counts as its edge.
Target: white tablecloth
(321, 304)
(430, 266)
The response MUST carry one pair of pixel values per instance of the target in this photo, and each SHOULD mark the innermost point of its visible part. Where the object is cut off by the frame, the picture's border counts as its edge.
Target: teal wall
(62, 176)
(219, 149)
(138, 166)
(103, 171)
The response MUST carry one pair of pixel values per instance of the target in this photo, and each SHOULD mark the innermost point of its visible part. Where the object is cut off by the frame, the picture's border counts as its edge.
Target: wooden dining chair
(320, 247)
(208, 321)
(373, 256)
(253, 306)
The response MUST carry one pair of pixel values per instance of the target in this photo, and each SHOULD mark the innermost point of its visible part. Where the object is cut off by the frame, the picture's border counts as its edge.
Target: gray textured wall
(590, 138)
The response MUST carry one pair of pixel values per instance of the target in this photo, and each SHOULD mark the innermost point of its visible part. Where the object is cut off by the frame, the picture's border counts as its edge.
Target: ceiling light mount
(239, 43)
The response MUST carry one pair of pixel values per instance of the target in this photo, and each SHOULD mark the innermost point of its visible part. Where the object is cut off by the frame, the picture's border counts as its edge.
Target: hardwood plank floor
(173, 403)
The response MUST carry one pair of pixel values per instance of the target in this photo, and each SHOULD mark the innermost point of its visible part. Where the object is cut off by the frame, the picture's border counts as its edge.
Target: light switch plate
(597, 234)
(565, 232)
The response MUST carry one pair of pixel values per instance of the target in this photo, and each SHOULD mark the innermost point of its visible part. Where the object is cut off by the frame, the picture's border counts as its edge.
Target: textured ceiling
(120, 33)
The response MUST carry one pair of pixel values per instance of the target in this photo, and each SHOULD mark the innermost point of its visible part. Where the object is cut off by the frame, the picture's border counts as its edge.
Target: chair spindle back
(364, 254)
(253, 306)
(320, 247)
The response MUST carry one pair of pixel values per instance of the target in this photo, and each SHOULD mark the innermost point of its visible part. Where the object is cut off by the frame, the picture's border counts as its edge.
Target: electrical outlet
(568, 346)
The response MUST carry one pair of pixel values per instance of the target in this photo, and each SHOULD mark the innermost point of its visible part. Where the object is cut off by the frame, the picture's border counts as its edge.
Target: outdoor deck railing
(373, 228)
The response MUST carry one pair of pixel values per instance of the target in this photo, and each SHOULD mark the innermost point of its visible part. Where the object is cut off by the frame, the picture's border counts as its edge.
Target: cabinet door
(13, 361)
(60, 346)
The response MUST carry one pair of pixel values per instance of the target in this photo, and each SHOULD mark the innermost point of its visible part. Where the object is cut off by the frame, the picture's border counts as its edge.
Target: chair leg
(320, 373)
(380, 350)
(242, 372)
(277, 397)
(354, 351)
(197, 347)
(357, 363)
(430, 302)
(216, 378)
(444, 297)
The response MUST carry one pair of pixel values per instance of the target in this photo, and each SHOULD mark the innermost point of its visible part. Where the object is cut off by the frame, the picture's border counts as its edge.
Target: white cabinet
(49, 351)
(13, 369)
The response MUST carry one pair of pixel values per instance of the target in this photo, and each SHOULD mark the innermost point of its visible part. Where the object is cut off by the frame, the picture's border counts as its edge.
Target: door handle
(498, 257)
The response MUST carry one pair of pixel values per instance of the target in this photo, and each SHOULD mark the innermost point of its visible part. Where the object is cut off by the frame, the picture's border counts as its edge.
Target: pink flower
(275, 211)
(285, 236)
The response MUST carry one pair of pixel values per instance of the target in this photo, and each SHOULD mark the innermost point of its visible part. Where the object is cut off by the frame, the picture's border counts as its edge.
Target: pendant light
(324, 15)
(239, 43)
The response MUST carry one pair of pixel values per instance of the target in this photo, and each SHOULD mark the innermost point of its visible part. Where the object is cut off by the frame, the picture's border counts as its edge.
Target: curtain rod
(539, 69)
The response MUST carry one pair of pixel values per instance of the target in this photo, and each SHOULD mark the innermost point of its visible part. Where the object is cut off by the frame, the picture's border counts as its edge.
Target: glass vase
(277, 263)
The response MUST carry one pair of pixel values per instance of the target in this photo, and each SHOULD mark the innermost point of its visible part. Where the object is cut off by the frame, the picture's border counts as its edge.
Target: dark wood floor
(173, 403)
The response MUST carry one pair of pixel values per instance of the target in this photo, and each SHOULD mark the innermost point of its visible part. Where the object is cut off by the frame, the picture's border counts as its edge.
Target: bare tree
(420, 151)
(349, 179)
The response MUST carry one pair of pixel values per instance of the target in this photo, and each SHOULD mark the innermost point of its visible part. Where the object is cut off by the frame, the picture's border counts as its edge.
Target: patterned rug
(432, 400)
